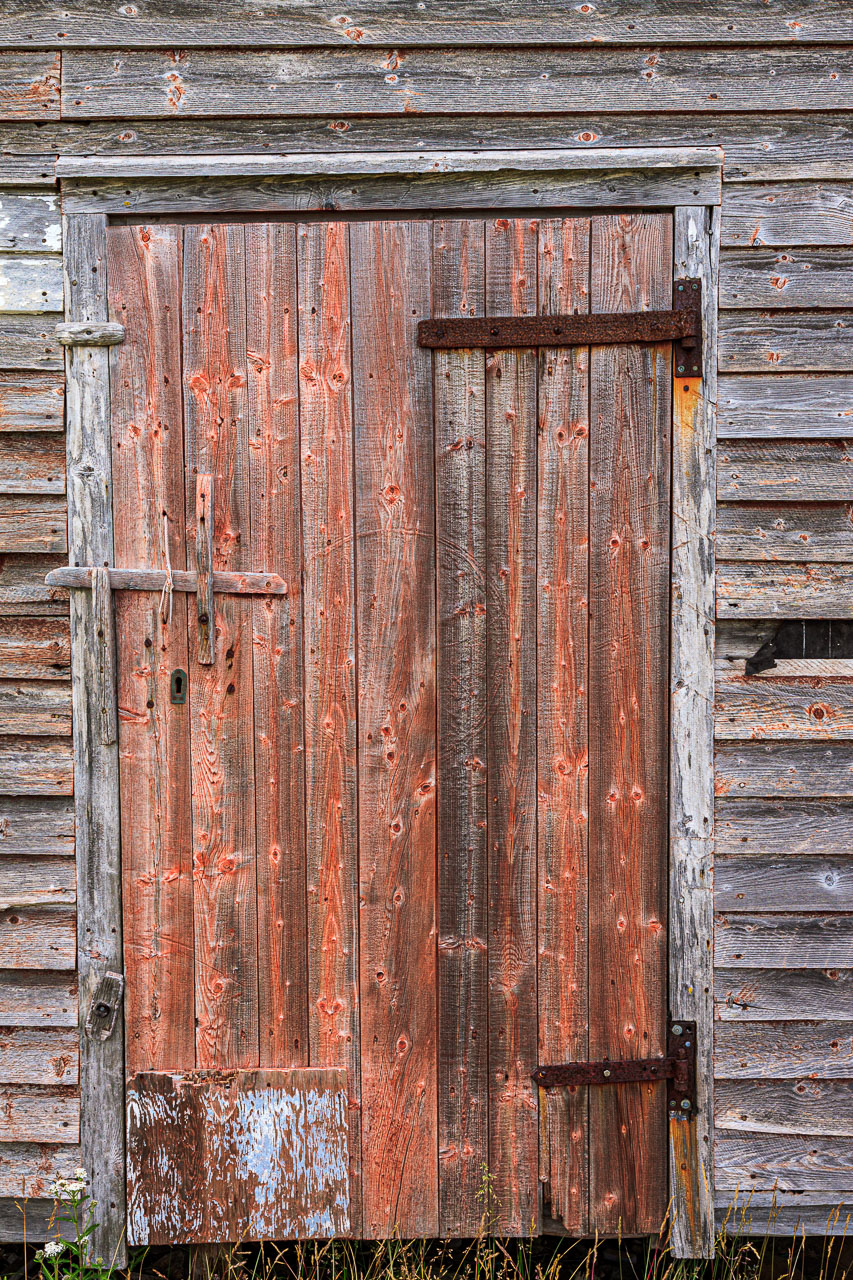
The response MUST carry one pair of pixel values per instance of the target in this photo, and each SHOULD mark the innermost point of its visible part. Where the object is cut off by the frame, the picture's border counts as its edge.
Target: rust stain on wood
(237, 1155)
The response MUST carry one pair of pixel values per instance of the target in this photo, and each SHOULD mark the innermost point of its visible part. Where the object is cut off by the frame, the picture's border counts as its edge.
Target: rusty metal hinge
(682, 325)
(678, 1068)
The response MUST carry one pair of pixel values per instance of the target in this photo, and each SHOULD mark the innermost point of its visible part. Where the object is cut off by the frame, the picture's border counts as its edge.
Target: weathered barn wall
(769, 83)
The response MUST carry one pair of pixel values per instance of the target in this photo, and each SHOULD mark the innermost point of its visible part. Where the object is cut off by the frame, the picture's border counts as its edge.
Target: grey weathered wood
(32, 462)
(37, 1000)
(783, 1050)
(776, 590)
(35, 767)
(740, 638)
(38, 1055)
(750, 883)
(28, 171)
(237, 22)
(784, 1213)
(34, 826)
(89, 334)
(34, 882)
(28, 342)
(758, 145)
(784, 405)
(95, 763)
(779, 828)
(753, 277)
(40, 937)
(241, 584)
(34, 707)
(34, 648)
(813, 941)
(29, 85)
(32, 524)
(776, 769)
(23, 590)
(797, 340)
(29, 1220)
(786, 1163)
(752, 995)
(105, 1007)
(691, 805)
(778, 705)
(792, 1106)
(29, 283)
(793, 470)
(28, 1168)
(31, 402)
(350, 81)
(29, 221)
(35, 1113)
(788, 214)
(785, 531)
(104, 658)
(626, 185)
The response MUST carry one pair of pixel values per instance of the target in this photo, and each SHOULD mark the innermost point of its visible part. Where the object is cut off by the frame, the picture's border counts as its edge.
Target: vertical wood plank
(562, 713)
(325, 413)
(629, 658)
(204, 607)
(277, 643)
(460, 454)
(148, 472)
(220, 695)
(511, 289)
(96, 765)
(691, 905)
(396, 688)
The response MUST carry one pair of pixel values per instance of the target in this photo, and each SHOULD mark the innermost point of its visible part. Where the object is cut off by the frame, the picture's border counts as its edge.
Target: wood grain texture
(35, 767)
(394, 488)
(799, 707)
(788, 214)
(511, 466)
(28, 342)
(775, 829)
(34, 648)
(31, 401)
(268, 1161)
(31, 223)
(785, 531)
(32, 1113)
(38, 937)
(29, 86)
(784, 405)
(783, 1163)
(783, 1050)
(380, 22)
(331, 709)
(753, 277)
(747, 1212)
(816, 940)
(35, 525)
(750, 883)
(221, 695)
(96, 764)
(787, 590)
(32, 463)
(629, 566)
(32, 882)
(806, 1106)
(778, 769)
(354, 80)
(562, 627)
(34, 825)
(276, 534)
(147, 439)
(23, 591)
(38, 1056)
(753, 995)
(29, 283)
(820, 341)
(796, 470)
(458, 267)
(38, 999)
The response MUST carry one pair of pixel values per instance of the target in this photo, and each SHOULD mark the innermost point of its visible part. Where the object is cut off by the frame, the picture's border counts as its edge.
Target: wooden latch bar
(85, 333)
(234, 584)
(682, 325)
(678, 1068)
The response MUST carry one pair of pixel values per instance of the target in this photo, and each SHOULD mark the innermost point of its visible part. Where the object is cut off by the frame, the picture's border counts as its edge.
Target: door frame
(685, 180)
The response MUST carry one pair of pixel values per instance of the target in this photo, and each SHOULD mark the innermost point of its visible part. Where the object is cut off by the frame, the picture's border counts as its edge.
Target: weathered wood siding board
(28, 341)
(38, 1056)
(773, 278)
(32, 463)
(30, 224)
(777, 828)
(23, 592)
(752, 341)
(386, 81)
(380, 22)
(40, 937)
(41, 999)
(783, 995)
(785, 531)
(33, 1113)
(788, 214)
(784, 1050)
(769, 589)
(35, 707)
(784, 707)
(34, 523)
(776, 769)
(28, 1168)
(746, 1212)
(29, 85)
(817, 940)
(784, 405)
(784, 1163)
(31, 402)
(805, 1106)
(269, 1159)
(790, 470)
(755, 883)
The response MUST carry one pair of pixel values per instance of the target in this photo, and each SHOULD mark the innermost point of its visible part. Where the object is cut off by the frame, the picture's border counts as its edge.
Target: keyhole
(179, 687)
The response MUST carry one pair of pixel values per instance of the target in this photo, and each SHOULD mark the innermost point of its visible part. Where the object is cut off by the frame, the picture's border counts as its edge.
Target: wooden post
(691, 908)
(96, 774)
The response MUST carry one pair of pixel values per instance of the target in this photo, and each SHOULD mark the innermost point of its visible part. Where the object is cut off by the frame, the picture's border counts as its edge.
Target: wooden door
(405, 839)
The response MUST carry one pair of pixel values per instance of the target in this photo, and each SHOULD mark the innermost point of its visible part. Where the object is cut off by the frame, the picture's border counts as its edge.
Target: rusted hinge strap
(682, 325)
(238, 584)
(678, 1068)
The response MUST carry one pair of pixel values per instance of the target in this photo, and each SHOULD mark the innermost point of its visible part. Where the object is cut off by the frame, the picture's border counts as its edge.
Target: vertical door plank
(148, 476)
(511, 289)
(396, 684)
(220, 696)
(325, 412)
(563, 763)
(277, 643)
(460, 453)
(629, 657)
(96, 765)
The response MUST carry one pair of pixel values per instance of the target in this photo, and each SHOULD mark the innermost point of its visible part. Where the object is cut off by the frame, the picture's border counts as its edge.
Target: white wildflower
(54, 1248)
(81, 1174)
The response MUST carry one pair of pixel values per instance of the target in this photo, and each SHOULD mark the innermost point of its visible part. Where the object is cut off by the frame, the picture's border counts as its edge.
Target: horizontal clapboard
(37, 999)
(753, 341)
(778, 405)
(775, 705)
(783, 1051)
(30, 85)
(768, 589)
(757, 995)
(788, 214)
(779, 1162)
(804, 1106)
(770, 278)
(769, 941)
(821, 531)
(776, 769)
(794, 470)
